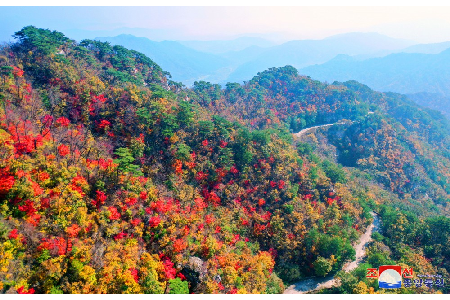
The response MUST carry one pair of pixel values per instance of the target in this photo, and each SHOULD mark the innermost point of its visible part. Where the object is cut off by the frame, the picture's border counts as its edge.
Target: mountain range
(381, 62)
(239, 59)
(399, 72)
(116, 179)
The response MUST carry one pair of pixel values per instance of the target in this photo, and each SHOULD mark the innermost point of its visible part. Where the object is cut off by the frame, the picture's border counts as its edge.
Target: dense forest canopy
(116, 179)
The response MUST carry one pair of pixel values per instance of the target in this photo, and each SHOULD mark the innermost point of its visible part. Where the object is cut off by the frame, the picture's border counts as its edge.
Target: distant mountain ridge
(224, 46)
(400, 72)
(239, 59)
(302, 53)
(434, 48)
(184, 64)
(381, 62)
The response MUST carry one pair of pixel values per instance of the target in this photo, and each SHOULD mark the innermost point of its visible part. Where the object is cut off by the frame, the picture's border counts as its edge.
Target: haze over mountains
(224, 46)
(381, 62)
(239, 59)
(185, 64)
(399, 72)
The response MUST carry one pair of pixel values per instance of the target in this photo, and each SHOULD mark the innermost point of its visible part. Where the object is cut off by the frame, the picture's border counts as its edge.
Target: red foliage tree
(63, 150)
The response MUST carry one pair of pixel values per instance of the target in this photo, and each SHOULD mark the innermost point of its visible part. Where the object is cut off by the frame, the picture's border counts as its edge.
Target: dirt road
(312, 284)
(303, 131)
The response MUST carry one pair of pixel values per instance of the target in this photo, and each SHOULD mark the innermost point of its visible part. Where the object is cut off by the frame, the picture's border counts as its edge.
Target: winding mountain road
(313, 284)
(303, 131)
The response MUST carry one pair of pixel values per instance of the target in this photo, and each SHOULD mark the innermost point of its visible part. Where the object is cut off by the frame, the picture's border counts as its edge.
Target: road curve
(313, 284)
(303, 131)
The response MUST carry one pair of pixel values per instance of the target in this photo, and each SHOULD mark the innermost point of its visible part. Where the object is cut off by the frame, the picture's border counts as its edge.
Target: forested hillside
(115, 179)
(434, 101)
(389, 136)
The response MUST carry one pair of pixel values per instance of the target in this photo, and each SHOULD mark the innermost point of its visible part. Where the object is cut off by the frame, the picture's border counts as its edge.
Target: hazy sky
(421, 24)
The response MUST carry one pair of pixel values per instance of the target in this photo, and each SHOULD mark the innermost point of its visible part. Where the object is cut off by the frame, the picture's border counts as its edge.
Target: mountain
(154, 34)
(303, 53)
(300, 102)
(239, 59)
(116, 179)
(400, 72)
(185, 64)
(433, 101)
(371, 42)
(434, 48)
(242, 56)
(223, 46)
